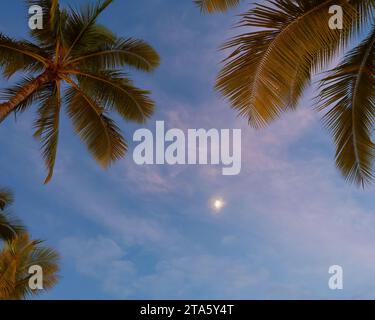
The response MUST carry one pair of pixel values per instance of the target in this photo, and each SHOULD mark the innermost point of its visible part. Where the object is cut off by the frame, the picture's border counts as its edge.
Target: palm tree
(16, 258)
(76, 61)
(18, 253)
(272, 64)
(9, 227)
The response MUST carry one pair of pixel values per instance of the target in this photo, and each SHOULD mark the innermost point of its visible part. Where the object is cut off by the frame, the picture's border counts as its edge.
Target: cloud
(288, 218)
(288, 214)
(102, 259)
(148, 232)
(186, 277)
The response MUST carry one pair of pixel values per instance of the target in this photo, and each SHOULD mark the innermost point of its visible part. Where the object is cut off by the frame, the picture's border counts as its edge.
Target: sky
(148, 232)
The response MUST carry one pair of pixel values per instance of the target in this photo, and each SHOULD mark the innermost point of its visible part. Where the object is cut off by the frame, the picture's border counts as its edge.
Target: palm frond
(258, 75)
(9, 227)
(47, 36)
(349, 92)
(116, 92)
(216, 5)
(124, 52)
(47, 128)
(366, 11)
(20, 56)
(81, 27)
(16, 258)
(101, 135)
(95, 38)
(299, 83)
(6, 198)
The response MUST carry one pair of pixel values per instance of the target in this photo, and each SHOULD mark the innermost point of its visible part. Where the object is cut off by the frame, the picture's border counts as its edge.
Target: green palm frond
(48, 35)
(123, 52)
(349, 92)
(47, 128)
(258, 75)
(299, 83)
(216, 5)
(81, 29)
(96, 37)
(20, 56)
(101, 135)
(116, 92)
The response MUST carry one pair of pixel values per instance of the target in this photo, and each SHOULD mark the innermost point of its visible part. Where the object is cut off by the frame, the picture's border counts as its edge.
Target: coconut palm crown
(283, 44)
(77, 63)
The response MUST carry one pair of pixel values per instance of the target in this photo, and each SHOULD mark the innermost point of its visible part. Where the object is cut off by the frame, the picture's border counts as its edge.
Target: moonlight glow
(217, 204)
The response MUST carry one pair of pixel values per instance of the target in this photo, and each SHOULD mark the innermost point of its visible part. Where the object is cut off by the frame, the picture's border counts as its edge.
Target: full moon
(217, 204)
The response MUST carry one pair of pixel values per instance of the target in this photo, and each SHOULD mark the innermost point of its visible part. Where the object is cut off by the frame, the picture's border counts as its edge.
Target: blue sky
(148, 232)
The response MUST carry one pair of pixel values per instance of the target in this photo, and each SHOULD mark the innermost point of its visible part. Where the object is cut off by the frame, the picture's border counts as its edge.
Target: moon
(217, 204)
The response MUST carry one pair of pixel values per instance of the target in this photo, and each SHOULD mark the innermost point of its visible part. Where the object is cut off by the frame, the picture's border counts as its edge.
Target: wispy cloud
(148, 232)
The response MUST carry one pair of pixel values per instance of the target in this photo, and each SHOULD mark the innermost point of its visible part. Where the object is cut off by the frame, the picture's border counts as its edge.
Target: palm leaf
(6, 198)
(95, 38)
(16, 258)
(20, 56)
(216, 5)
(365, 9)
(349, 92)
(258, 75)
(102, 137)
(124, 52)
(116, 92)
(48, 35)
(81, 26)
(47, 128)
(9, 227)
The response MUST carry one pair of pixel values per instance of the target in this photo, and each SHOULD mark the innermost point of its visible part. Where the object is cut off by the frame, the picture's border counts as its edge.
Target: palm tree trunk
(26, 91)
